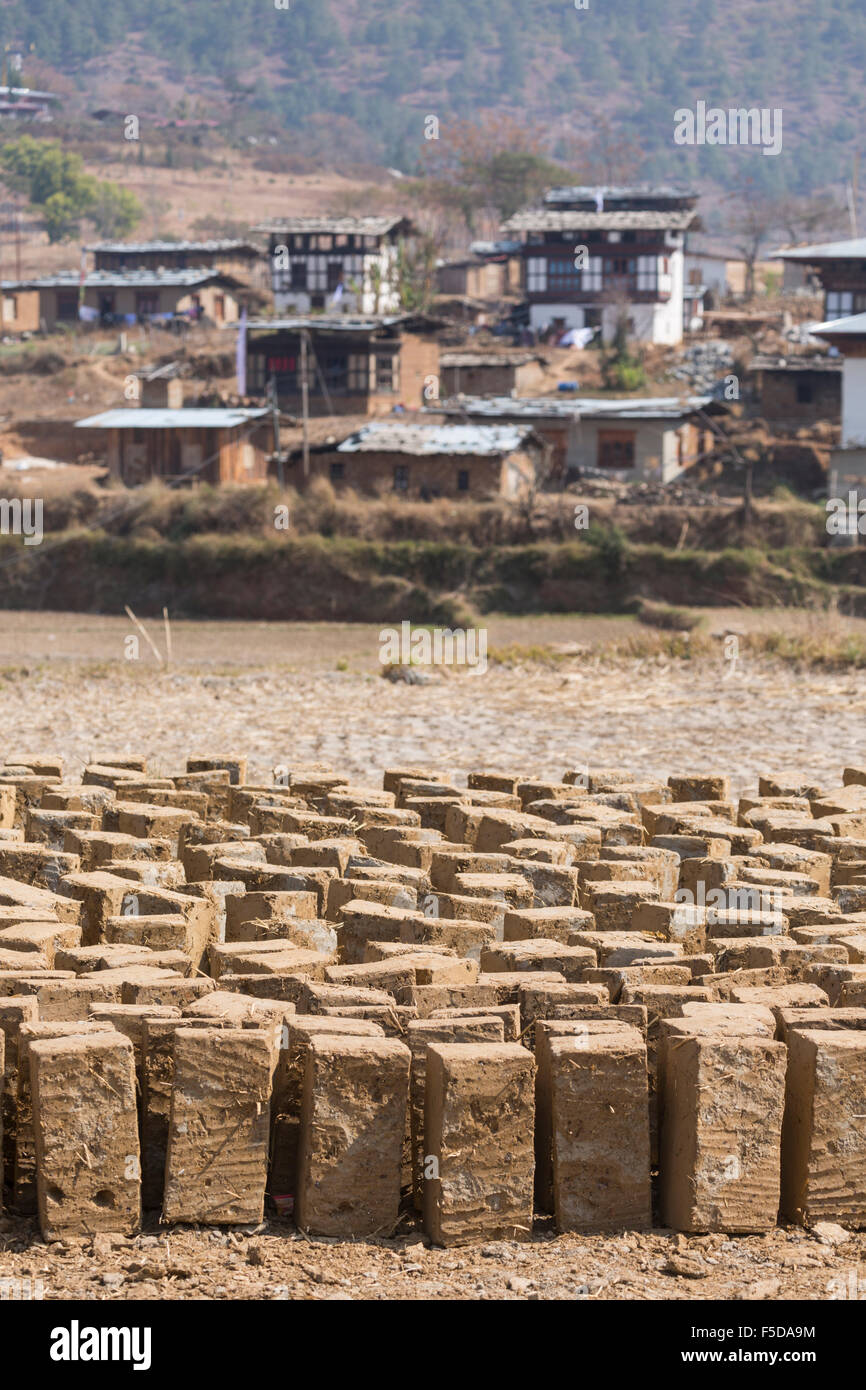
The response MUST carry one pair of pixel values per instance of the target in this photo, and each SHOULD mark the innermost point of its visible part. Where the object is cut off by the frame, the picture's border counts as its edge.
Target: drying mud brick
(824, 1135)
(478, 1137)
(720, 1132)
(353, 1122)
(85, 1123)
(419, 1035)
(600, 1131)
(217, 1161)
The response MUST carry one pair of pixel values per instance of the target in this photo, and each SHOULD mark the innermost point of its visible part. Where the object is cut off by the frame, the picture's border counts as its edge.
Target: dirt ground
(287, 693)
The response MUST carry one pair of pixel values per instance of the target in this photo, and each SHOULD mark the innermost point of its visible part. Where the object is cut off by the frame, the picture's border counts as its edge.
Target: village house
(229, 445)
(792, 392)
(847, 476)
(19, 308)
(633, 439)
(424, 461)
(134, 296)
(27, 104)
(351, 263)
(489, 270)
(840, 267)
(361, 365)
(232, 256)
(594, 255)
(490, 373)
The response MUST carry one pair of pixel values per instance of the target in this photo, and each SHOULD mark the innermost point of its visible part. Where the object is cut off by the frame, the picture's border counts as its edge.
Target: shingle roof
(381, 436)
(854, 250)
(154, 247)
(550, 407)
(546, 220)
(353, 226)
(141, 418)
(125, 279)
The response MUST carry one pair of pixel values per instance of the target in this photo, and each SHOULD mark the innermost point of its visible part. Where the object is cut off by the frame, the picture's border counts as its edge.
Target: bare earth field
(275, 692)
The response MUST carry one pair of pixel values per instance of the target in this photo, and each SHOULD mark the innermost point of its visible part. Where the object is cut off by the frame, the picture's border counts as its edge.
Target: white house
(591, 255)
(338, 263)
(847, 481)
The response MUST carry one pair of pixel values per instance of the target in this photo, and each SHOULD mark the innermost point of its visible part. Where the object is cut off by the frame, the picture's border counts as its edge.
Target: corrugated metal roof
(551, 407)
(854, 250)
(488, 359)
(151, 247)
(769, 363)
(852, 327)
(210, 418)
(381, 436)
(347, 323)
(350, 226)
(124, 279)
(546, 220)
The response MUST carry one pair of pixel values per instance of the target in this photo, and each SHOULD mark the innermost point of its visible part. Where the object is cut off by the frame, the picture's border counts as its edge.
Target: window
(621, 273)
(359, 372)
(462, 479)
(299, 275)
(840, 303)
(387, 372)
(335, 275)
(146, 302)
(805, 393)
(67, 305)
(338, 472)
(10, 307)
(335, 371)
(401, 477)
(536, 275)
(616, 449)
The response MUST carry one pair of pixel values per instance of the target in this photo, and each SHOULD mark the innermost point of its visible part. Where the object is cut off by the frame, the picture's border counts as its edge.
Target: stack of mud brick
(607, 1001)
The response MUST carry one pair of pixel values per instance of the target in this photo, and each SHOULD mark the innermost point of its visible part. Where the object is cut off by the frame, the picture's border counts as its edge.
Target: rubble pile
(703, 365)
(612, 1001)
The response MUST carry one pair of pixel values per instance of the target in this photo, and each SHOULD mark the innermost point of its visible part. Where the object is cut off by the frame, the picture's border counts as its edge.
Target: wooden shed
(224, 445)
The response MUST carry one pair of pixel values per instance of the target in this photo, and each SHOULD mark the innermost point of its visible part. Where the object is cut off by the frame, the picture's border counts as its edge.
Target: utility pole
(275, 417)
(305, 404)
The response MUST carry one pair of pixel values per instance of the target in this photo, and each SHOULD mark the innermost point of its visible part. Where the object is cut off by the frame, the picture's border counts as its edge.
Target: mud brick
(477, 1029)
(478, 1127)
(539, 954)
(674, 921)
(853, 994)
(394, 776)
(805, 912)
(694, 845)
(282, 907)
(41, 937)
(612, 871)
(621, 948)
(219, 1126)
(262, 957)
(721, 1129)
(561, 853)
(396, 978)
(296, 1034)
(23, 895)
(27, 789)
(778, 951)
(157, 1078)
(315, 997)
(150, 873)
(199, 861)
(613, 904)
(375, 872)
(796, 859)
(128, 1019)
(433, 811)
(493, 829)
(598, 1128)
(660, 1001)
(782, 881)
(50, 827)
(429, 999)
(832, 978)
(458, 907)
(699, 876)
(36, 864)
(724, 922)
(35, 960)
(465, 938)
(84, 1120)
(212, 832)
(393, 1018)
(831, 1019)
(15, 1010)
(364, 921)
(342, 891)
(347, 798)
(97, 849)
(63, 1000)
(446, 863)
(506, 984)
(539, 1001)
(824, 1134)
(708, 786)
(732, 1020)
(176, 991)
(512, 889)
(76, 798)
(508, 1014)
(553, 885)
(7, 807)
(236, 767)
(326, 854)
(552, 923)
(165, 931)
(83, 960)
(615, 979)
(99, 895)
(147, 821)
(353, 1121)
(493, 782)
(14, 982)
(781, 996)
(23, 1180)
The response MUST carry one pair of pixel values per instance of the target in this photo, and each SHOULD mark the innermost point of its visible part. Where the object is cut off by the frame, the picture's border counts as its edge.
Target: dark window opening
(401, 477)
(462, 479)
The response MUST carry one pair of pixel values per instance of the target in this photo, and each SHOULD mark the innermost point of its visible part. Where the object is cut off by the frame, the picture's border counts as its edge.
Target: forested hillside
(368, 71)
